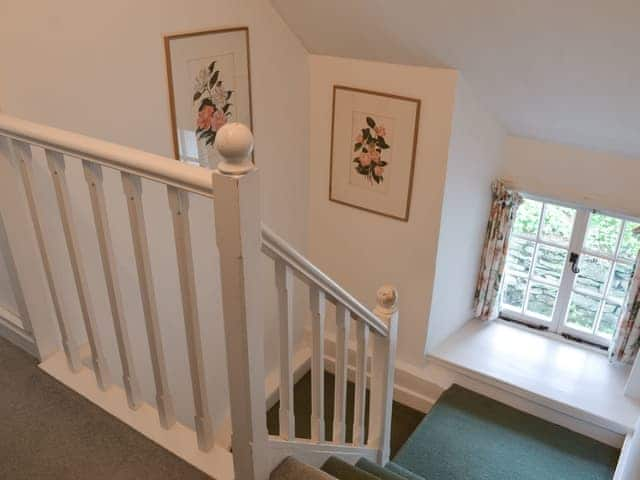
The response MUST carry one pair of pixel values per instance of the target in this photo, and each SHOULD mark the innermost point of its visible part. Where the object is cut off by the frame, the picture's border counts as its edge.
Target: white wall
(475, 158)
(595, 179)
(400, 253)
(98, 68)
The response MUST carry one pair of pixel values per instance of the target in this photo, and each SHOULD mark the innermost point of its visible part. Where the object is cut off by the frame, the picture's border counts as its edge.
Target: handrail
(143, 164)
(297, 261)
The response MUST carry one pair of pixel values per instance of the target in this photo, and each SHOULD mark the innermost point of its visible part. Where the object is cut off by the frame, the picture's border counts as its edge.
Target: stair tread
(345, 471)
(293, 469)
(403, 472)
(377, 470)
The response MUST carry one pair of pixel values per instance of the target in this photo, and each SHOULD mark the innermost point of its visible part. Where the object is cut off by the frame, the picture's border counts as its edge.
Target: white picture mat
(390, 199)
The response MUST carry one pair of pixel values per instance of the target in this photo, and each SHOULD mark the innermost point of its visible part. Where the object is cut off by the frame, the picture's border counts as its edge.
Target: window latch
(573, 260)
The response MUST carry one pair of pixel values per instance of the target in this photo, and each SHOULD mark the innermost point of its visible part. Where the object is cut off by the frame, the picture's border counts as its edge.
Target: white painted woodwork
(383, 374)
(124, 159)
(276, 247)
(179, 205)
(343, 327)
(237, 221)
(93, 176)
(24, 248)
(133, 191)
(55, 162)
(284, 286)
(23, 156)
(12, 273)
(362, 342)
(317, 302)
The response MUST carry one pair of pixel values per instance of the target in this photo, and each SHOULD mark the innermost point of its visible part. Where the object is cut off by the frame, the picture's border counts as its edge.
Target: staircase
(241, 240)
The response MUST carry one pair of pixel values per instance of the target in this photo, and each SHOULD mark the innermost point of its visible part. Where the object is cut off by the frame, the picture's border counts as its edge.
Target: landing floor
(50, 432)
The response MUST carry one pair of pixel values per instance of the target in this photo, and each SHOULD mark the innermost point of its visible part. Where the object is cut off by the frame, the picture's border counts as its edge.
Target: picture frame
(374, 139)
(209, 85)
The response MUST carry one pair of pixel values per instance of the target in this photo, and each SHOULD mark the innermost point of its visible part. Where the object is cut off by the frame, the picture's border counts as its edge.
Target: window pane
(630, 243)
(549, 263)
(602, 233)
(620, 281)
(542, 299)
(513, 291)
(557, 224)
(610, 316)
(583, 311)
(520, 255)
(528, 218)
(593, 275)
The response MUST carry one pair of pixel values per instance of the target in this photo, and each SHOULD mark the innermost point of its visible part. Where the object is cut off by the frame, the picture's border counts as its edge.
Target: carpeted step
(378, 471)
(292, 469)
(345, 471)
(403, 472)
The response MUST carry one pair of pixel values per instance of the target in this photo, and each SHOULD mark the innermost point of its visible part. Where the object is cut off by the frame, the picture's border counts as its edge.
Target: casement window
(568, 269)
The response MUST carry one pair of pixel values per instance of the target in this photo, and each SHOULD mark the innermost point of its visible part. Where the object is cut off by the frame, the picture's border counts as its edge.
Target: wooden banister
(277, 248)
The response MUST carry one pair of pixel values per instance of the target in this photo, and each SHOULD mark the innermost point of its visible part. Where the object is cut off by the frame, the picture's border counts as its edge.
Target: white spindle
(236, 185)
(284, 279)
(14, 281)
(179, 205)
(22, 152)
(93, 175)
(317, 302)
(382, 374)
(362, 340)
(56, 164)
(133, 191)
(343, 326)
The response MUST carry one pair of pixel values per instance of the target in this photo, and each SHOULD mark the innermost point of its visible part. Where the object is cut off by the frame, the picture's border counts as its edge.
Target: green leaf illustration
(357, 147)
(205, 102)
(371, 122)
(196, 96)
(214, 78)
(226, 107)
(212, 66)
(229, 94)
(381, 143)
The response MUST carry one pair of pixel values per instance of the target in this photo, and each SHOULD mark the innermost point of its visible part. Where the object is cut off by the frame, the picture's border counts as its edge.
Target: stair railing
(240, 237)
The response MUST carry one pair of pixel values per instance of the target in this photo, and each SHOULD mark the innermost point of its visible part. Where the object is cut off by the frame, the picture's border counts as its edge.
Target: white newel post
(238, 236)
(382, 373)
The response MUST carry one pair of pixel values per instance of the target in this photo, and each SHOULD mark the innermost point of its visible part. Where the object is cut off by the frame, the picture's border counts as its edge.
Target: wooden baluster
(317, 302)
(362, 339)
(55, 161)
(133, 190)
(343, 326)
(236, 186)
(383, 369)
(179, 205)
(93, 175)
(284, 283)
(14, 281)
(22, 153)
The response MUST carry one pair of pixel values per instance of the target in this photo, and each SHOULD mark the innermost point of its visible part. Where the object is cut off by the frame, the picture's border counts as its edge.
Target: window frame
(567, 285)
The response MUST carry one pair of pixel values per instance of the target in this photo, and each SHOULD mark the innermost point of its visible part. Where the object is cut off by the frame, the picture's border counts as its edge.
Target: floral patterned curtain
(503, 213)
(626, 341)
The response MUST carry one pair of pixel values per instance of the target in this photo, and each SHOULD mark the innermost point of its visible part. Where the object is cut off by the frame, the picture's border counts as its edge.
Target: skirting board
(179, 439)
(10, 330)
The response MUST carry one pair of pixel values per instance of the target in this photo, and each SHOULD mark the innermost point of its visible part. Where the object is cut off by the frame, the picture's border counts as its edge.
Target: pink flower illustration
(204, 117)
(378, 171)
(374, 155)
(218, 120)
(380, 131)
(359, 139)
(365, 159)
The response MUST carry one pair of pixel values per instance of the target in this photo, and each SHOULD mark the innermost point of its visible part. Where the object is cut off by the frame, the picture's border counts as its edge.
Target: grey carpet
(47, 431)
(292, 469)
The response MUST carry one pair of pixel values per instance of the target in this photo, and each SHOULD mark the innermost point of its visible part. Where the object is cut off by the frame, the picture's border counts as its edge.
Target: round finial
(387, 297)
(234, 141)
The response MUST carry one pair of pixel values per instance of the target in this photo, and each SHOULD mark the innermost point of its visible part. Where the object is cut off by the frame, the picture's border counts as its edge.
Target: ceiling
(565, 71)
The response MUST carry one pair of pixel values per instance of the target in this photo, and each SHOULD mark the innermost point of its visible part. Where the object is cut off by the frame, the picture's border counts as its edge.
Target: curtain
(626, 340)
(503, 213)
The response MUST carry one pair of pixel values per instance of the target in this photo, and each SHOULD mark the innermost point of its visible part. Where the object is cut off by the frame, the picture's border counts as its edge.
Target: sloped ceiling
(566, 71)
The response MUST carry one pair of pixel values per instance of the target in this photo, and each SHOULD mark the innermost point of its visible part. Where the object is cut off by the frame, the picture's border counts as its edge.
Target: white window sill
(572, 378)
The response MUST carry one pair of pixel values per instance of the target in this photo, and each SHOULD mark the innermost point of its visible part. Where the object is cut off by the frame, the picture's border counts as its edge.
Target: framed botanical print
(373, 148)
(209, 81)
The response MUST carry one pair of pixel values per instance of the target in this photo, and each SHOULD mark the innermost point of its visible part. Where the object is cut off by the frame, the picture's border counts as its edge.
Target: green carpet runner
(467, 436)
